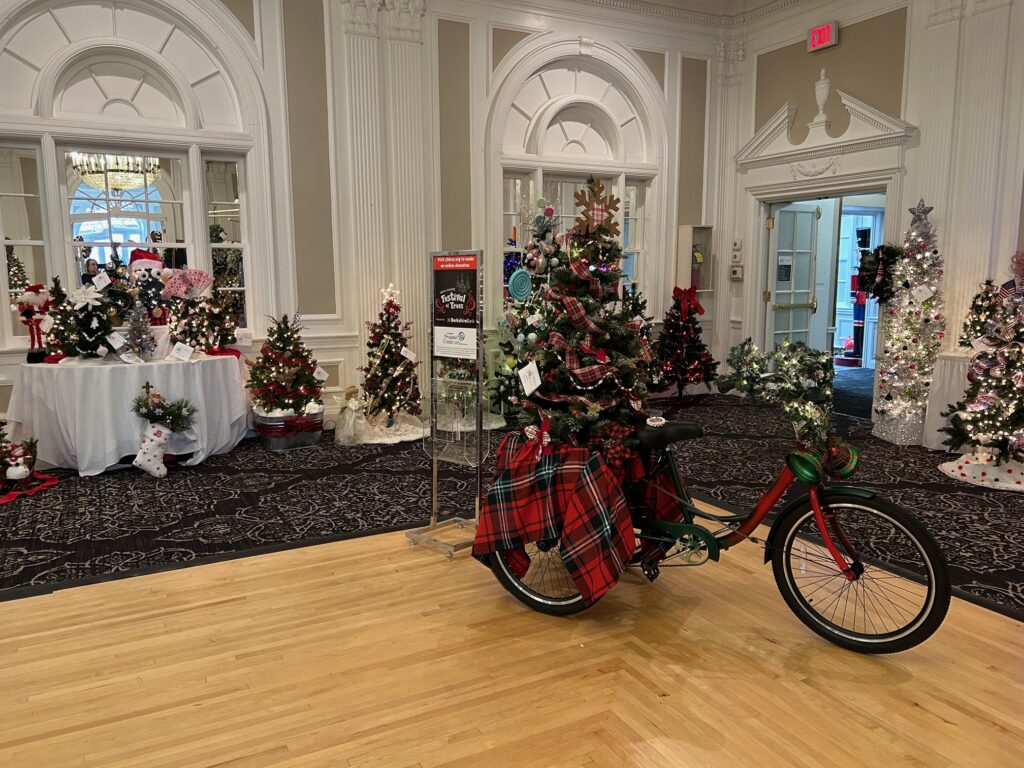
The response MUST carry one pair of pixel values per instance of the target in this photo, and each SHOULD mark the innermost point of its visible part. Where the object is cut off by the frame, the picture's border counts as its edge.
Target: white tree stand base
(980, 468)
(150, 457)
(354, 429)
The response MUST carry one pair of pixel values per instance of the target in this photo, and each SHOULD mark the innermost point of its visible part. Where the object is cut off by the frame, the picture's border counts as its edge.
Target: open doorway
(813, 296)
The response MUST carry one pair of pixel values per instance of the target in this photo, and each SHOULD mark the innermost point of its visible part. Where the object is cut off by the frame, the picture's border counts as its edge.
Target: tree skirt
(980, 469)
(30, 486)
(354, 429)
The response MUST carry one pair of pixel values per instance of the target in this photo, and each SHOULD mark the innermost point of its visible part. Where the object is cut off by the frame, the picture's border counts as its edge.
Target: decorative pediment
(869, 129)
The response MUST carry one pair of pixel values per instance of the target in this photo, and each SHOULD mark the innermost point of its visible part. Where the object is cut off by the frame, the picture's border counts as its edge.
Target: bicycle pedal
(651, 570)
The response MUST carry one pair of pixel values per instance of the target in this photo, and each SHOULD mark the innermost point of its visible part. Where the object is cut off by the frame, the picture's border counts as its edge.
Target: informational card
(320, 374)
(100, 281)
(243, 339)
(922, 293)
(533, 320)
(979, 344)
(408, 354)
(46, 323)
(116, 340)
(131, 357)
(182, 352)
(455, 304)
(529, 376)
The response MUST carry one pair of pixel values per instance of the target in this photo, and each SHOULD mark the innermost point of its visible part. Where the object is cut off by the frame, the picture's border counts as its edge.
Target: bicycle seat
(660, 438)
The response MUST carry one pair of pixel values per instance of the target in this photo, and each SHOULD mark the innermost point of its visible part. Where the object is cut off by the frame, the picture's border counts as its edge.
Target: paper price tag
(116, 340)
(243, 339)
(182, 352)
(100, 281)
(979, 344)
(533, 320)
(529, 377)
(46, 323)
(131, 357)
(922, 293)
(408, 354)
(320, 374)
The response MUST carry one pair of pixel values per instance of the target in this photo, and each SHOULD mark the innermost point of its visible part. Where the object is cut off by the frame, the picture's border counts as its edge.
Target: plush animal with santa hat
(34, 307)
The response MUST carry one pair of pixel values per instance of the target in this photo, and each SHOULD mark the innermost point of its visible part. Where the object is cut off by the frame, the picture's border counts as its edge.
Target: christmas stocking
(151, 451)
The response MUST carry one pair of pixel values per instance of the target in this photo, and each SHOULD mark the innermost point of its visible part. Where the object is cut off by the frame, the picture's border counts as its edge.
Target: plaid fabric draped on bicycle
(566, 493)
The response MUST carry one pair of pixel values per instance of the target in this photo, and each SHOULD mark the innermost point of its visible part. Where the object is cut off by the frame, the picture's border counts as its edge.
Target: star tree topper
(597, 210)
(390, 293)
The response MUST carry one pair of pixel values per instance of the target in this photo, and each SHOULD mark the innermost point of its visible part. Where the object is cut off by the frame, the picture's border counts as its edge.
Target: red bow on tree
(687, 299)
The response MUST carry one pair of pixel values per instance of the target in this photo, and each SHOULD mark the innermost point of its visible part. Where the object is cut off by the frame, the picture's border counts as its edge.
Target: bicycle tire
(516, 586)
(932, 572)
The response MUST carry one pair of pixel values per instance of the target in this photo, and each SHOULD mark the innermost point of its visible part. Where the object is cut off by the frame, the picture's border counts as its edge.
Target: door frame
(769, 265)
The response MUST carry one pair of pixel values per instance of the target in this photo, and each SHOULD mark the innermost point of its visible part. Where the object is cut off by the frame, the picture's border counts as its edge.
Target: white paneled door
(791, 300)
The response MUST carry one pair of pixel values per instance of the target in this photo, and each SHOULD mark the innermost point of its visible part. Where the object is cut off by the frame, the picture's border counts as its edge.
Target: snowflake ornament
(597, 210)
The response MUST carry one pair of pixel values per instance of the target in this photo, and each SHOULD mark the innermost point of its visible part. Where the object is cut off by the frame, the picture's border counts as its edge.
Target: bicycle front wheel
(901, 593)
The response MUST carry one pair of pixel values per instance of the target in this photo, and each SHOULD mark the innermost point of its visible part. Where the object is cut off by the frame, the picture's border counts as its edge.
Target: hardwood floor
(369, 653)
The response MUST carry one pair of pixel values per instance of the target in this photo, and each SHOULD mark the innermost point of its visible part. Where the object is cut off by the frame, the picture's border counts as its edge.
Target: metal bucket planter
(282, 433)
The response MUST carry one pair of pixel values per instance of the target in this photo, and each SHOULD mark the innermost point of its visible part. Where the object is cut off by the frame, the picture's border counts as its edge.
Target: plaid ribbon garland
(594, 287)
(570, 495)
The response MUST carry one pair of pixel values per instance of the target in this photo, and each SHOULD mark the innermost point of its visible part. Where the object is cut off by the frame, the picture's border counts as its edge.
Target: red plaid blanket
(573, 496)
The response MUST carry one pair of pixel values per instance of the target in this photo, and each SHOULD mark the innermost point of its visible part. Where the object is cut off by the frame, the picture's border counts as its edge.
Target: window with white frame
(632, 231)
(518, 202)
(226, 225)
(120, 204)
(21, 229)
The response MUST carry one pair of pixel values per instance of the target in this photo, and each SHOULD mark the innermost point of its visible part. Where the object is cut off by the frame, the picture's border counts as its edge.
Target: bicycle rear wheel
(901, 594)
(536, 576)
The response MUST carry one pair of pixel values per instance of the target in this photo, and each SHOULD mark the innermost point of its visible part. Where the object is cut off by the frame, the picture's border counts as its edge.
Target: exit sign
(823, 36)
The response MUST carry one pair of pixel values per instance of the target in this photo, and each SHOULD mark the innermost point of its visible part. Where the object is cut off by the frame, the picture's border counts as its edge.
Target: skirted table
(80, 410)
(949, 382)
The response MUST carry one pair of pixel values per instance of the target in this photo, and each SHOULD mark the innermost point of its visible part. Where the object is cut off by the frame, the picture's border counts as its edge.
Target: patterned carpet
(246, 502)
(981, 531)
(251, 501)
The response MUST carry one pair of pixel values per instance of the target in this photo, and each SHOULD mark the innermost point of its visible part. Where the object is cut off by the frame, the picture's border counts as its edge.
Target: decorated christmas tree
(139, 336)
(17, 279)
(584, 367)
(283, 380)
(62, 338)
(202, 323)
(390, 383)
(990, 417)
(986, 305)
(681, 352)
(914, 329)
(91, 322)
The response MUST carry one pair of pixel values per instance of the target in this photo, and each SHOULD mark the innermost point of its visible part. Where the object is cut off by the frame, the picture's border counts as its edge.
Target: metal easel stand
(455, 405)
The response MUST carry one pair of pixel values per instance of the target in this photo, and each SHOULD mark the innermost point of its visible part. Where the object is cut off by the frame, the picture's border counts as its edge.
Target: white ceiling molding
(696, 16)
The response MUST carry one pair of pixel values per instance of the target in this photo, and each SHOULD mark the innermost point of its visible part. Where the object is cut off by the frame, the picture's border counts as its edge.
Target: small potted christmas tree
(684, 358)
(285, 383)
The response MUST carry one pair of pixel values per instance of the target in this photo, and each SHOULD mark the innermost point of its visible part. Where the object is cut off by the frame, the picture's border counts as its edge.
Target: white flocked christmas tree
(914, 327)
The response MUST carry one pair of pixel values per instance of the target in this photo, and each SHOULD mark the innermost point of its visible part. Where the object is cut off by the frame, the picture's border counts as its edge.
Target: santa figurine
(34, 308)
(143, 259)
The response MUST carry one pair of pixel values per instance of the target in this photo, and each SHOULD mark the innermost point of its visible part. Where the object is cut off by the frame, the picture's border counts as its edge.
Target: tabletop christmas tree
(990, 416)
(91, 322)
(202, 323)
(913, 332)
(283, 380)
(17, 279)
(683, 357)
(62, 338)
(587, 352)
(390, 383)
(139, 336)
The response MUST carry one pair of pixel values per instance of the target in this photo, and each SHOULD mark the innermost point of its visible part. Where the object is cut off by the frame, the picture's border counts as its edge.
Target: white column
(359, 84)
(407, 109)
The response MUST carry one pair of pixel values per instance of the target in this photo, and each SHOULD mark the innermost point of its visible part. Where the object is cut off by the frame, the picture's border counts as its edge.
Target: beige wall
(243, 10)
(1020, 224)
(867, 64)
(693, 105)
(453, 101)
(5, 396)
(655, 62)
(503, 41)
(306, 64)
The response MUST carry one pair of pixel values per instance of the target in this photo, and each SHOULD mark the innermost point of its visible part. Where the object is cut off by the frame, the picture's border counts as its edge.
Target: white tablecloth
(949, 382)
(80, 410)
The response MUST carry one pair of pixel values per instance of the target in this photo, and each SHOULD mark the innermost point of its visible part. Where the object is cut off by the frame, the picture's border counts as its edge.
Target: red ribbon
(687, 300)
(291, 426)
(53, 359)
(42, 483)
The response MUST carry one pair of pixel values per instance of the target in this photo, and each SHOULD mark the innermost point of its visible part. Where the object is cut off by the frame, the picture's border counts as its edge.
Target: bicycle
(854, 568)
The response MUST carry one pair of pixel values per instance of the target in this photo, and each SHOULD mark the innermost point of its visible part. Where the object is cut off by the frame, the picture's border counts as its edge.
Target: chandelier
(123, 172)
